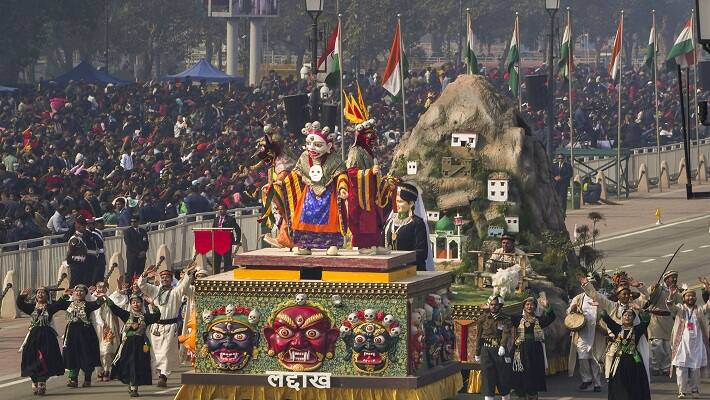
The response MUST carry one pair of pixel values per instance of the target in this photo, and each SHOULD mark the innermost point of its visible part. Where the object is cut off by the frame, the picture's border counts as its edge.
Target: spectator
(196, 203)
(57, 224)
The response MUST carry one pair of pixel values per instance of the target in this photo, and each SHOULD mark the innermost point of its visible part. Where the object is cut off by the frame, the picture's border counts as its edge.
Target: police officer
(78, 254)
(493, 331)
(99, 261)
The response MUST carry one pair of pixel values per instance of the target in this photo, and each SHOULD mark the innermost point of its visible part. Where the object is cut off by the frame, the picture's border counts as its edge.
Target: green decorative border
(264, 304)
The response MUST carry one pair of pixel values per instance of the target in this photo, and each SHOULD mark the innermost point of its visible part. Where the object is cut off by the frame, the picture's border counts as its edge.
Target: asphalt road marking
(13, 383)
(648, 260)
(687, 251)
(626, 266)
(625, 235)
(705, 246)
(668, 255)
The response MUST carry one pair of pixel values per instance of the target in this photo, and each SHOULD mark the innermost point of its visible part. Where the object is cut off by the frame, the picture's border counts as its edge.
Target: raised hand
(25, 291)
(705, 281)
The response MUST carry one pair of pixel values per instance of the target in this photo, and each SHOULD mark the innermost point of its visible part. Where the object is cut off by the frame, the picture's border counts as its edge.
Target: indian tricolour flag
(683, 50)
(651, 49)
(615, 62)
(329, 61)
(471, 60)
(566, 63)
(397, 66)
(513, 60)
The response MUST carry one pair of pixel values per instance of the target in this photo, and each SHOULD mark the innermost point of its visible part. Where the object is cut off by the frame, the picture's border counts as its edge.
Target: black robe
(81, 345)
(630, 381)
(41, 357)
(411, 236)
(133, 364)
(532, 355)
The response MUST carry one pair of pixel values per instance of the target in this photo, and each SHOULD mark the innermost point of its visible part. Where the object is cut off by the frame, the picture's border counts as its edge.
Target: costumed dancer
(406, 229)
(615, 310)
(588, 345)
(272, 153)
(659, 330)
(627, 374)
(319, 218)
(530, 360)
(163, 334)
(81, 345)
(107, 330)
(132, 363)
(368, 192)
(690, 348)
(41, 358)
(492, 334)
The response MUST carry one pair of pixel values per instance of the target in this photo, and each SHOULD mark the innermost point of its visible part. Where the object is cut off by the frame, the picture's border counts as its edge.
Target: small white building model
(512, 224)
(432, 216)
(498, 187)
(464, 140)
(411, 167)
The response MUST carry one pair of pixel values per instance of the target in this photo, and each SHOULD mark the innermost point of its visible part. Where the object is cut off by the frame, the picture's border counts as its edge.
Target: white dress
(586, 336)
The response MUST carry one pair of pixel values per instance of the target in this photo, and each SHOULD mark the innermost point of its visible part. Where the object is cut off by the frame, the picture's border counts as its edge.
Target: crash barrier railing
(39, 265)
(671, 153)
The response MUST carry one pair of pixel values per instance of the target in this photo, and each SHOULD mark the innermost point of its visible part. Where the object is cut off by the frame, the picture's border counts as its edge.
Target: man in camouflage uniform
(492, 335)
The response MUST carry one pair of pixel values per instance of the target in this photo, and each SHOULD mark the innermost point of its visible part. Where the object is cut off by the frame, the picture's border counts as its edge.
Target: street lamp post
(314, 8)
(552, 6)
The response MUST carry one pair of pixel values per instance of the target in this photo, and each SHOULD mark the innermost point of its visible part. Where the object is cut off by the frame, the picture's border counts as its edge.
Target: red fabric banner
(203, 241)
(222, 241)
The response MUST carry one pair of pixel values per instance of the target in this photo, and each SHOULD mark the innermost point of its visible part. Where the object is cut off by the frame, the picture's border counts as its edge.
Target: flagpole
(401, 72)
(570, 54)
(618, 117)
(468, 31)
(655, 89)
(342, 108)
(517, 43)
(695, 89)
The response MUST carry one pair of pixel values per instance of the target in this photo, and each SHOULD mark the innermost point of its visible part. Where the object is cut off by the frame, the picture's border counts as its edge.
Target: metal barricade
(38, 266)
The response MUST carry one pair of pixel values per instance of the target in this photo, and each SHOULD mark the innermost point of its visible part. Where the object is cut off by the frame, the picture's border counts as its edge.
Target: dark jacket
(136, 241)
(230, 222)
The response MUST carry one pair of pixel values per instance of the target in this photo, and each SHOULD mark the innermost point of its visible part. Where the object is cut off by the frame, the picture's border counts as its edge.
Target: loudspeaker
(536, 86)
(704, 74)
(329, 116)
(296, 112)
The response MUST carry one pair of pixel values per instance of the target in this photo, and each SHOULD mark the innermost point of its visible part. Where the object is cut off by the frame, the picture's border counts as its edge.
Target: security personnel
(493, 332)
(78, 255)
(99, 261)
(136, 240)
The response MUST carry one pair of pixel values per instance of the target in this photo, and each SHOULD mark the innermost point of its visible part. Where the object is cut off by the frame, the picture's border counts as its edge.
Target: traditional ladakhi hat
(408, 192)
(669, 274)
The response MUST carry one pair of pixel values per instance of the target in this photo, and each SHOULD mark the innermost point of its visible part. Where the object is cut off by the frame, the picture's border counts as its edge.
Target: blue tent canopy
(6, 89)
(204, 71)
(86, 72)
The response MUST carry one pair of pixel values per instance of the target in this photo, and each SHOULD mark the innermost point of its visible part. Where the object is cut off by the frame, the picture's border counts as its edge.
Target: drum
(575, 321)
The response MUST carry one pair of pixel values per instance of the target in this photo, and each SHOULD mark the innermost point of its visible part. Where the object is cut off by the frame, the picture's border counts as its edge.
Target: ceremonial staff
(654, 295)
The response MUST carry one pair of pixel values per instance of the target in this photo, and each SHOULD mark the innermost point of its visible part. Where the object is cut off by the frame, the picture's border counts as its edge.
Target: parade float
(364, 324)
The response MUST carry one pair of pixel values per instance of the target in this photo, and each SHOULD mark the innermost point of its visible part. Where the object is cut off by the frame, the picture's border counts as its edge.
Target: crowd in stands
(158, 150)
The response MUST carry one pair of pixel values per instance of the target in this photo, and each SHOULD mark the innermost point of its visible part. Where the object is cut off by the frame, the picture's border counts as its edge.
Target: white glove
(501, 351)
(477, 359)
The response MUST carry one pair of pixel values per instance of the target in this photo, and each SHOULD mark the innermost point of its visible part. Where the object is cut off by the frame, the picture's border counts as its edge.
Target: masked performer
(41, 358)
(368, 192)
(318, 220)
(530, 361)
(132, 363)
(273, 154)
(406, 230)
(628, 379)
